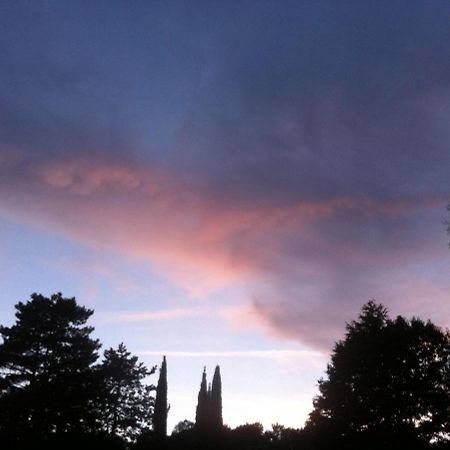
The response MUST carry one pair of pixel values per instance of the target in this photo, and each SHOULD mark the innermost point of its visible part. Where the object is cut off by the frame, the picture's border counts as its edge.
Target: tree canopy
(51, 386)
(387, 386)
(126, 407)
(388, 377)
(45, 367)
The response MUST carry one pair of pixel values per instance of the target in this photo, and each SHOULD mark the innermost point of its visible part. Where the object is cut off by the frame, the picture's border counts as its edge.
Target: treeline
(387, 386)
(54, 392)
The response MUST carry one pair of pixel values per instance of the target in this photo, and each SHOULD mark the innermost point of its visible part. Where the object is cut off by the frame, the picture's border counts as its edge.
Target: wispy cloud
(151, 316)
(263, 354)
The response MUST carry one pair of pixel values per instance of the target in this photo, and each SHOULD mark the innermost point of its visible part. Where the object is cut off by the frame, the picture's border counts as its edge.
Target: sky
(227, 182)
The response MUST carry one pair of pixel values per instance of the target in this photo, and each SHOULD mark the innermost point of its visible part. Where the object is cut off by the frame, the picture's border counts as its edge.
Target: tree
(216, 401)
(45, 368)
(161, 406)
(185, 437)
(249, 436)
(209, 407)
(202, 412)
(183, 426)
(281, 438)
(388, 379)
(126, 408)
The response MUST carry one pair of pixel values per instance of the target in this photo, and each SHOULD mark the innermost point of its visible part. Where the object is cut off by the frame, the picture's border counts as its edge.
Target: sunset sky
(227, 182)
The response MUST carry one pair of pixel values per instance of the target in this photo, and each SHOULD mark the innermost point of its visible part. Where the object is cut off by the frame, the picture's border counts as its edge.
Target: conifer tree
(209, 408)
(127, 404)
(216, 401)
(161, 406)
(46, 361)
(202, 413)
(387, 385)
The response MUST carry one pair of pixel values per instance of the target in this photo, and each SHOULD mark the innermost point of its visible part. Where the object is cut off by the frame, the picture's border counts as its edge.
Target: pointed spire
(161, 407)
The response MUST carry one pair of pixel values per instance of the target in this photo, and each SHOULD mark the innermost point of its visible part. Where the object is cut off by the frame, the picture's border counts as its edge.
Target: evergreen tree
(216, 401)
(126, 408)
(46, 369)
(161, 406)
(202, 413)
(208, 418)
(388, 381)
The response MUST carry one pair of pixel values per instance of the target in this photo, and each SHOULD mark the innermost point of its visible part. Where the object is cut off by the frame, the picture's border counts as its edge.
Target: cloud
(291, 257)
(150, 316)
(305, 162)
(259, 354)
(81, 177)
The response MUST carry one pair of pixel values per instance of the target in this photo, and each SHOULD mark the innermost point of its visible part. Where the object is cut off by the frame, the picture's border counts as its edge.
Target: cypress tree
(209, 407)
(216, 401)
(202, 413)
(161, 406)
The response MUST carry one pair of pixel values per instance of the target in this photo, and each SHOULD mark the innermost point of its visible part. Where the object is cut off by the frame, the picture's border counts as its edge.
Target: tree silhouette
(216, 401)
(161, 405)
(126, 408)
(387, 380)
(182, 426)
(45, 368)
(208, 418)
(249, 436)
(201, 415)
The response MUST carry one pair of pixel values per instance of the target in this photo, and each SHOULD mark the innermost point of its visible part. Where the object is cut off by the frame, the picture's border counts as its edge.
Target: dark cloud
(303, 145)
(341, 102)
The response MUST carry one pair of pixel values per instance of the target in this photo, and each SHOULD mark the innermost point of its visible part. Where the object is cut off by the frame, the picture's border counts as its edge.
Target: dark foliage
(47, 384)
(208, 418)
(216, 401)
(126, 406)
(202, 411)
(183, 426)
(387, 387)
(387, 383)
(51, 393)
(161, 405)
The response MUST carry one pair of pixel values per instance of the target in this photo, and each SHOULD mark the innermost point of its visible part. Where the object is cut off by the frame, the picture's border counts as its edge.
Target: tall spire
(161, 407)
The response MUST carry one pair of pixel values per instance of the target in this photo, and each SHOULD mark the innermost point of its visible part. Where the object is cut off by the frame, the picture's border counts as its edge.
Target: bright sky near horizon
(227, 182)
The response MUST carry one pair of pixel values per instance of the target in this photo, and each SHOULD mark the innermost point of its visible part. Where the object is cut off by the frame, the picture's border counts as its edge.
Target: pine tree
(127, 404)
(46, 372)
(216, 401)
(161, 406)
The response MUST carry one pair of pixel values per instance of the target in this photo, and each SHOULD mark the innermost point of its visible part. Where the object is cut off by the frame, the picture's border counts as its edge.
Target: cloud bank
(299, 152)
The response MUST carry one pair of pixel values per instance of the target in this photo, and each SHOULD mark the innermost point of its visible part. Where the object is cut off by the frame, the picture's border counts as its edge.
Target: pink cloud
(83, 177)
(201, 242)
